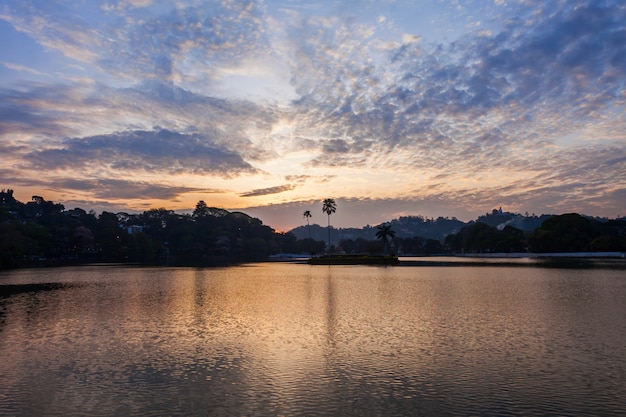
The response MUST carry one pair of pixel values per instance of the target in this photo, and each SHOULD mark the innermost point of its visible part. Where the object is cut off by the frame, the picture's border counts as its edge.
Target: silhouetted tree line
(563, 233)
(482, 238)
(575, 233)
(398, 246)
(41, 232)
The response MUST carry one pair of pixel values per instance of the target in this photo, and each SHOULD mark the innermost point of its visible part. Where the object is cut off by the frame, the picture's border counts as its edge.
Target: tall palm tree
(329, 207)
(307, 216)
(384, 231)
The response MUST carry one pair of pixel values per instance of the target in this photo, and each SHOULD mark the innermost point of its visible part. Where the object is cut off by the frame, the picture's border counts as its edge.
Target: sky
(393, 108)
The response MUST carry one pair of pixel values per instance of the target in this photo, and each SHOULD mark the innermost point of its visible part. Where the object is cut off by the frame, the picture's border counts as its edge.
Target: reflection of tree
(331, 313)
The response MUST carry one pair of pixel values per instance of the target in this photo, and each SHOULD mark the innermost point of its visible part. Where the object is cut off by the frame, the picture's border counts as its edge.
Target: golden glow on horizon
(346, 183)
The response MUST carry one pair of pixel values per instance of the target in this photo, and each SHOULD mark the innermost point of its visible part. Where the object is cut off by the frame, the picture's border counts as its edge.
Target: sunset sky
(393, 108)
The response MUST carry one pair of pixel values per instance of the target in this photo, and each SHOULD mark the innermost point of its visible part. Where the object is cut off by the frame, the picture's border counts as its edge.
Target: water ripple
(284, 339)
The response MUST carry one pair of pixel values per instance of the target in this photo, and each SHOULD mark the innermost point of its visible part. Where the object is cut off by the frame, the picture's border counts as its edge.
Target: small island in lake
(354, 260)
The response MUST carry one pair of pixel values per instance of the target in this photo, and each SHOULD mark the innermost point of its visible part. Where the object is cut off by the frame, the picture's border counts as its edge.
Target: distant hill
(411, 226)
(500, 219)
(408, 226)
(438, 229)
(336, 235)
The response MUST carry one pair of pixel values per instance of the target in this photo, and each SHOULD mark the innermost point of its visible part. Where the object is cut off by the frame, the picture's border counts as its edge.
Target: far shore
(615, 260)
(516, 255)
(621, 255)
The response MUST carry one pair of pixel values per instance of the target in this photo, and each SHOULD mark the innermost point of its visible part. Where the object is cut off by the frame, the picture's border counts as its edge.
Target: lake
(288, 339)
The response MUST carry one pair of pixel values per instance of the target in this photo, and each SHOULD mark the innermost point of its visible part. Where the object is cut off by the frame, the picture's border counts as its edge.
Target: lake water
(275, 339)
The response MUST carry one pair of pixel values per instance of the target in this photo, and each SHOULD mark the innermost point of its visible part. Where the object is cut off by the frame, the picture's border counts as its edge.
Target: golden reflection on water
(268, 339)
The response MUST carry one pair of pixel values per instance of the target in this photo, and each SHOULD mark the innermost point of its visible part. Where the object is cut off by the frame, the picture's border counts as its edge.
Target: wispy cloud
(21, 68)
(62, 32)
(267, 191)
(119, 189)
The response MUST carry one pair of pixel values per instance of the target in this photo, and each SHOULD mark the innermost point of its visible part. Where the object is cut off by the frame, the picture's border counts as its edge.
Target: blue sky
(391, 107)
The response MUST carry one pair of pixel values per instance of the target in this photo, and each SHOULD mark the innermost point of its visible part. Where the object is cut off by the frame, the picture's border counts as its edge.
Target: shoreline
(616, 260)
(603, 255)
(574, 260)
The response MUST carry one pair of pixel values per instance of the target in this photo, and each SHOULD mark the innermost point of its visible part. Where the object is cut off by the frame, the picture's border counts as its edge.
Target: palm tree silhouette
(384, 231)
(329, 207)
(307, 215)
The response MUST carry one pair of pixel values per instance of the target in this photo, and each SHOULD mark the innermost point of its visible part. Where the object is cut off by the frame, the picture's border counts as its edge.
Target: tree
(307, 215)
(432, 246)
(329, 207)
(479, 237)
(384, 231)
(201, 209)
(564, 233)
(310, 245)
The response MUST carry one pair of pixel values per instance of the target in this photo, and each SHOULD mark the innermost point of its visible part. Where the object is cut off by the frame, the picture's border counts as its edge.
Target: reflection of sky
(277, 338)
(393, 108)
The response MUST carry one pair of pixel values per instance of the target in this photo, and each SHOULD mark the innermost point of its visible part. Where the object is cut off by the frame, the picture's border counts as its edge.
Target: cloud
(56, 28)
(13, 177)
(60, 111)
(119, 189)
(267, 191)
(105, 192)
(494, 111)
(569, 56)
(21, 68)
(410, 38)
(147, 151)
(187, 41)
(22, 112)
(132, 42)
(300, 179)
(470, 102)
(138, 3)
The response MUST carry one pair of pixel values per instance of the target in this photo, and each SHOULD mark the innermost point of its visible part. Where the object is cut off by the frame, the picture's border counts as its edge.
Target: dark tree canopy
(575, 233)
(41, 232)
